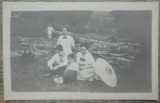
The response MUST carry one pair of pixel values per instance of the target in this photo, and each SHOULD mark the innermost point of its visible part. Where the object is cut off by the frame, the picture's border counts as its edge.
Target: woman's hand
(49, 63)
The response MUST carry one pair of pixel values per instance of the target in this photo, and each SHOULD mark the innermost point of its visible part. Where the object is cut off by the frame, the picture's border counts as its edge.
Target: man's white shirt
(67, 43)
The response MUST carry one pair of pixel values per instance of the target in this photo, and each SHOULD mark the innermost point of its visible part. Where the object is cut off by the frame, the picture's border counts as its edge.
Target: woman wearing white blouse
(49, 31)
(58, 63)
(86, 64)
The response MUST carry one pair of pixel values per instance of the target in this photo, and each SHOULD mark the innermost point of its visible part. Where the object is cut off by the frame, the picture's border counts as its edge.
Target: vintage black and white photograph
(81, 51)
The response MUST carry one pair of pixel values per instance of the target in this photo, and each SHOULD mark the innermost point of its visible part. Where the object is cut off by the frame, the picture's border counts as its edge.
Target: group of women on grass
(66, 66)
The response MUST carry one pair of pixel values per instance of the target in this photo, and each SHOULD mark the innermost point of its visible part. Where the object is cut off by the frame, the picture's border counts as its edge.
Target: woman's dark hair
(71, 56)
(85, 45)
(59, 47)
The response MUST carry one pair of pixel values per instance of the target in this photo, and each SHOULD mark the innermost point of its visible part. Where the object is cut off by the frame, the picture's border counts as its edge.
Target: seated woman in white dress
(86, 64)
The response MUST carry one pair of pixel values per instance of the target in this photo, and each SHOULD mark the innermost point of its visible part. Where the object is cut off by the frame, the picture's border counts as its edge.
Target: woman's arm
(52, 60)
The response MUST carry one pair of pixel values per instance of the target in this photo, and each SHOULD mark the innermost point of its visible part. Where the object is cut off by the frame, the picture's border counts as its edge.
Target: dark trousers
(70, 76)
(58, 71)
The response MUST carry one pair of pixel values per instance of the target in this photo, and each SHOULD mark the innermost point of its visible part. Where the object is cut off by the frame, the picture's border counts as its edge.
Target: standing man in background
(49, 31)
(66, 41)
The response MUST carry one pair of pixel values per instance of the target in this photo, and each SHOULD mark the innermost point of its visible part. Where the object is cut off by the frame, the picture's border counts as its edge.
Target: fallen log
(122, 59)
(38, 45)
(107, 53)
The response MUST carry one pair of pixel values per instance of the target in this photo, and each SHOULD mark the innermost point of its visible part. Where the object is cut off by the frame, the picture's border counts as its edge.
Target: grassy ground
(27, 76)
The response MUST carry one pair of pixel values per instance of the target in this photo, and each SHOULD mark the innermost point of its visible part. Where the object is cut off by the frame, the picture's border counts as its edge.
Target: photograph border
(97, 6)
